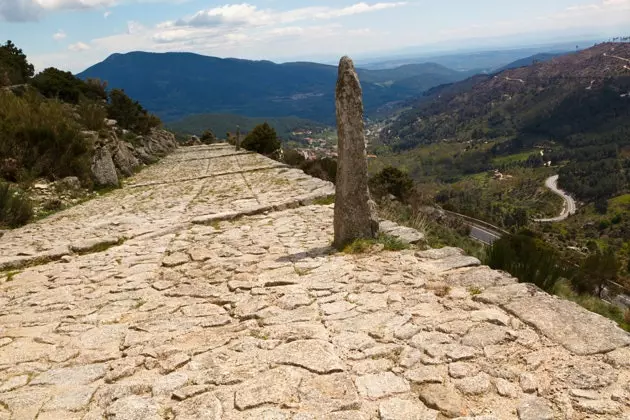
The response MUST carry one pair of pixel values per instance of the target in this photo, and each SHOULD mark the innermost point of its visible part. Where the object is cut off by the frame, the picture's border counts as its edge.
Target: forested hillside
(176, 85)
(575, 107)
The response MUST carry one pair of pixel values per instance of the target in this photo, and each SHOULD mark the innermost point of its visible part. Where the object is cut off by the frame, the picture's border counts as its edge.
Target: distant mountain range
(176, 85)
(576, 105)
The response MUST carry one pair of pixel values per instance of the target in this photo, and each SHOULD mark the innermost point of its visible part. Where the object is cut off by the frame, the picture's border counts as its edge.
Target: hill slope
(175, 85)
(577, 106)
(528, 61)
(223, 123)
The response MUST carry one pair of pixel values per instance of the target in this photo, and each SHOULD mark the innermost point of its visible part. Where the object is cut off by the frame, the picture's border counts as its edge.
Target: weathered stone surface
(592, 375)
(173, 260)
(14, 382)
(442, 398)
(602, 407)
(425, 375)
(277, 386)
(335, 392)
(579, 331)
(258, 317)
(95, 243)
(534, 408)
(165, 385)
(103, 168)
(205, 406)
(72, 376)
(505, 388)
(315, 355)
(71, 399)
(399, 409)
(474, 385)
(354, 217)
(380, 385)
(134, 408)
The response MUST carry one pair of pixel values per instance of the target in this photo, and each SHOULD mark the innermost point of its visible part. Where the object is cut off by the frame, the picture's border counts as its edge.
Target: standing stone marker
(355, 212)
(238, 138)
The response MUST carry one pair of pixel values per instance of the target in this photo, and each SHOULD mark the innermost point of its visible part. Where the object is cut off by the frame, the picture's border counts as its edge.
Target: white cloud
(19, 10)
(73, 4)
(357, 9)
(248, 15)
(78, 47)
(30, 10)
(134, 27)
(59, 35)
(107, 14)
(600, 14)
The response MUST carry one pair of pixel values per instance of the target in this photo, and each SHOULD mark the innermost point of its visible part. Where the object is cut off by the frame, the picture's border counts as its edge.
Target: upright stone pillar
(238, 138)
(355, 212)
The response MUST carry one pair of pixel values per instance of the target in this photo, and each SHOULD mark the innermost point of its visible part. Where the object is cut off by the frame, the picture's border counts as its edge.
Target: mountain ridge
(175, 85)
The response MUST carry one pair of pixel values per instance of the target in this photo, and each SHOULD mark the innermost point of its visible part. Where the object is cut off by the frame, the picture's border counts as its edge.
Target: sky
(75, 34)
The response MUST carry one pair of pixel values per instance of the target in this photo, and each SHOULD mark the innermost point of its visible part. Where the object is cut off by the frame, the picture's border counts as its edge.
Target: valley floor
(206, 288)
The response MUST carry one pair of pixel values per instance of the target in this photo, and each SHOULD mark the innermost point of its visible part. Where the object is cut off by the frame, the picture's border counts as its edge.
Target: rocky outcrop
(127, 157)
(103, 169)
(124, 159)
(355, 215)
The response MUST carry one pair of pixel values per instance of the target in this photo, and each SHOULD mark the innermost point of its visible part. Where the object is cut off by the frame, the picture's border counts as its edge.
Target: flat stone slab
(579, 331)
(314, 355)
(380, 385)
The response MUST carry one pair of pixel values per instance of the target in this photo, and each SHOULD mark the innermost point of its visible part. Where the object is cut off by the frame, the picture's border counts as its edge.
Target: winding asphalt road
(569, 207)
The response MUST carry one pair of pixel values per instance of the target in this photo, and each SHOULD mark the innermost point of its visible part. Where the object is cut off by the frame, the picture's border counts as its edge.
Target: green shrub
(57, 84)
(528, 258)
(293, 158)
(63, 85)
(322, 168)
(263, 139)
(92, 115)
(208, 137)
(392, 181)
(129, 113)
(42, 138)
(15, 209)
(14, 67)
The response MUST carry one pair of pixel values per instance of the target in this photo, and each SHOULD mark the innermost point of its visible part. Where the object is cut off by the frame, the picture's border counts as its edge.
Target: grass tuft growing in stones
(388, 243)
(474, 291)
(11, 274)
(324, 201)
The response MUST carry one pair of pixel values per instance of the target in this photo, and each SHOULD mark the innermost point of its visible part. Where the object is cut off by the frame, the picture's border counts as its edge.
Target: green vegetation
(389, 243)
(528, 257)
(208, 137)
(129, 113)
(263, 139)
(223, 123)
(14, 67)
(15, 209)
(42, 125)
(227, 86)
(392, 181)
(42, 139)
(325, 201)
(497, 121)
(62, 85)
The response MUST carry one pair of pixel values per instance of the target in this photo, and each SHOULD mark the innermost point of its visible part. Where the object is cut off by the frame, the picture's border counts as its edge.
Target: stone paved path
(157, 301)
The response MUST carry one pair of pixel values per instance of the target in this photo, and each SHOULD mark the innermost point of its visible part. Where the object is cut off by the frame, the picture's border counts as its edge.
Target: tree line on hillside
(587, 128)
(42, 122)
